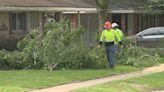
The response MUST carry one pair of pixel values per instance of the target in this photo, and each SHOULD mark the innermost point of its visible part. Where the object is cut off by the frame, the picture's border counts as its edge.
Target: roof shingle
(113, 4)
(46, 3)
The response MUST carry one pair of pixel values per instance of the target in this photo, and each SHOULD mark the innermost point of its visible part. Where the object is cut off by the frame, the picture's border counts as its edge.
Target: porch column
(40, 21)
(123, 23)
(161, 22)
(130, 24)
(60, 16)
(28, 22)
(136, 21)
(74, 21)
(78, 17)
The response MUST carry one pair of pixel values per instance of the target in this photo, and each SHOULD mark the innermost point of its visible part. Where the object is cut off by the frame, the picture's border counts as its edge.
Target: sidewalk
(72, 86)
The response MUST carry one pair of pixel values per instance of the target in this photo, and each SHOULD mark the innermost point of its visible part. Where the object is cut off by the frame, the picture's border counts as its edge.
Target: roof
(46, 3)
(124, 4)
(70, 5)
(128, 4)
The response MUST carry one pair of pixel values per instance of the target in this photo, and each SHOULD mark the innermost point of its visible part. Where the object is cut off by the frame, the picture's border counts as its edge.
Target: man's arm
(101, 38)
(117, 37)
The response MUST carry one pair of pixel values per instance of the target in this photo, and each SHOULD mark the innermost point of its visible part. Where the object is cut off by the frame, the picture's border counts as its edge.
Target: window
(17, 21)
(161, 31)
(153, 31)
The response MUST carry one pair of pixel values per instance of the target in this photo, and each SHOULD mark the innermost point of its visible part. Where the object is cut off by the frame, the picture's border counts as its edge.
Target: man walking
(109, 37)
(120, 34)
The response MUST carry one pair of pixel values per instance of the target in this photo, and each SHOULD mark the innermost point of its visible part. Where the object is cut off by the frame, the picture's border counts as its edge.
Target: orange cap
(107, 25)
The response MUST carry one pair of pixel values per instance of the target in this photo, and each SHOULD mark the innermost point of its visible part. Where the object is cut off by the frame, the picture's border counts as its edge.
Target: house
(132, 16)
(18, 17)
(129, 14)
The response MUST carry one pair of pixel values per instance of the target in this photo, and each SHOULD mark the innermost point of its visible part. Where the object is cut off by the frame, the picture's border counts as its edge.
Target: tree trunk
(102, 10)
(102, 18)
(51, 66)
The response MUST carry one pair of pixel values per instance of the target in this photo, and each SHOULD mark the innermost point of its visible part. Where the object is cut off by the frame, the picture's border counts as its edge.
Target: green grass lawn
(140, 84)
(162, 59)
(19, 81)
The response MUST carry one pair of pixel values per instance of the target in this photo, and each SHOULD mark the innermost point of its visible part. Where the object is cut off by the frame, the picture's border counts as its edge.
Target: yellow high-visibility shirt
(109, 36)
(120, 33)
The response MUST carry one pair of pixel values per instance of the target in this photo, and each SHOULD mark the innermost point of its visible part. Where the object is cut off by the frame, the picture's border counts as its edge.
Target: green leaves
(58, 47)
(155, 6)
(137, 56)
(102, 4)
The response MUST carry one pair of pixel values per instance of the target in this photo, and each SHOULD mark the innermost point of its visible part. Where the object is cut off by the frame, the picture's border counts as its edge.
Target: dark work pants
(110, 52)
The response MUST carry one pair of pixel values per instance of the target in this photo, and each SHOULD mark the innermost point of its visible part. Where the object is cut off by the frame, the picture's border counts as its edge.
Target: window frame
(23, 20)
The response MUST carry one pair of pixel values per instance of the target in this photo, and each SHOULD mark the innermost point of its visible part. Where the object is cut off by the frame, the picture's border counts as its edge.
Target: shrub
(98, 57)
(58, 47)
(3, 61)
(136, 56)
(31, 49)
(14, 60)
